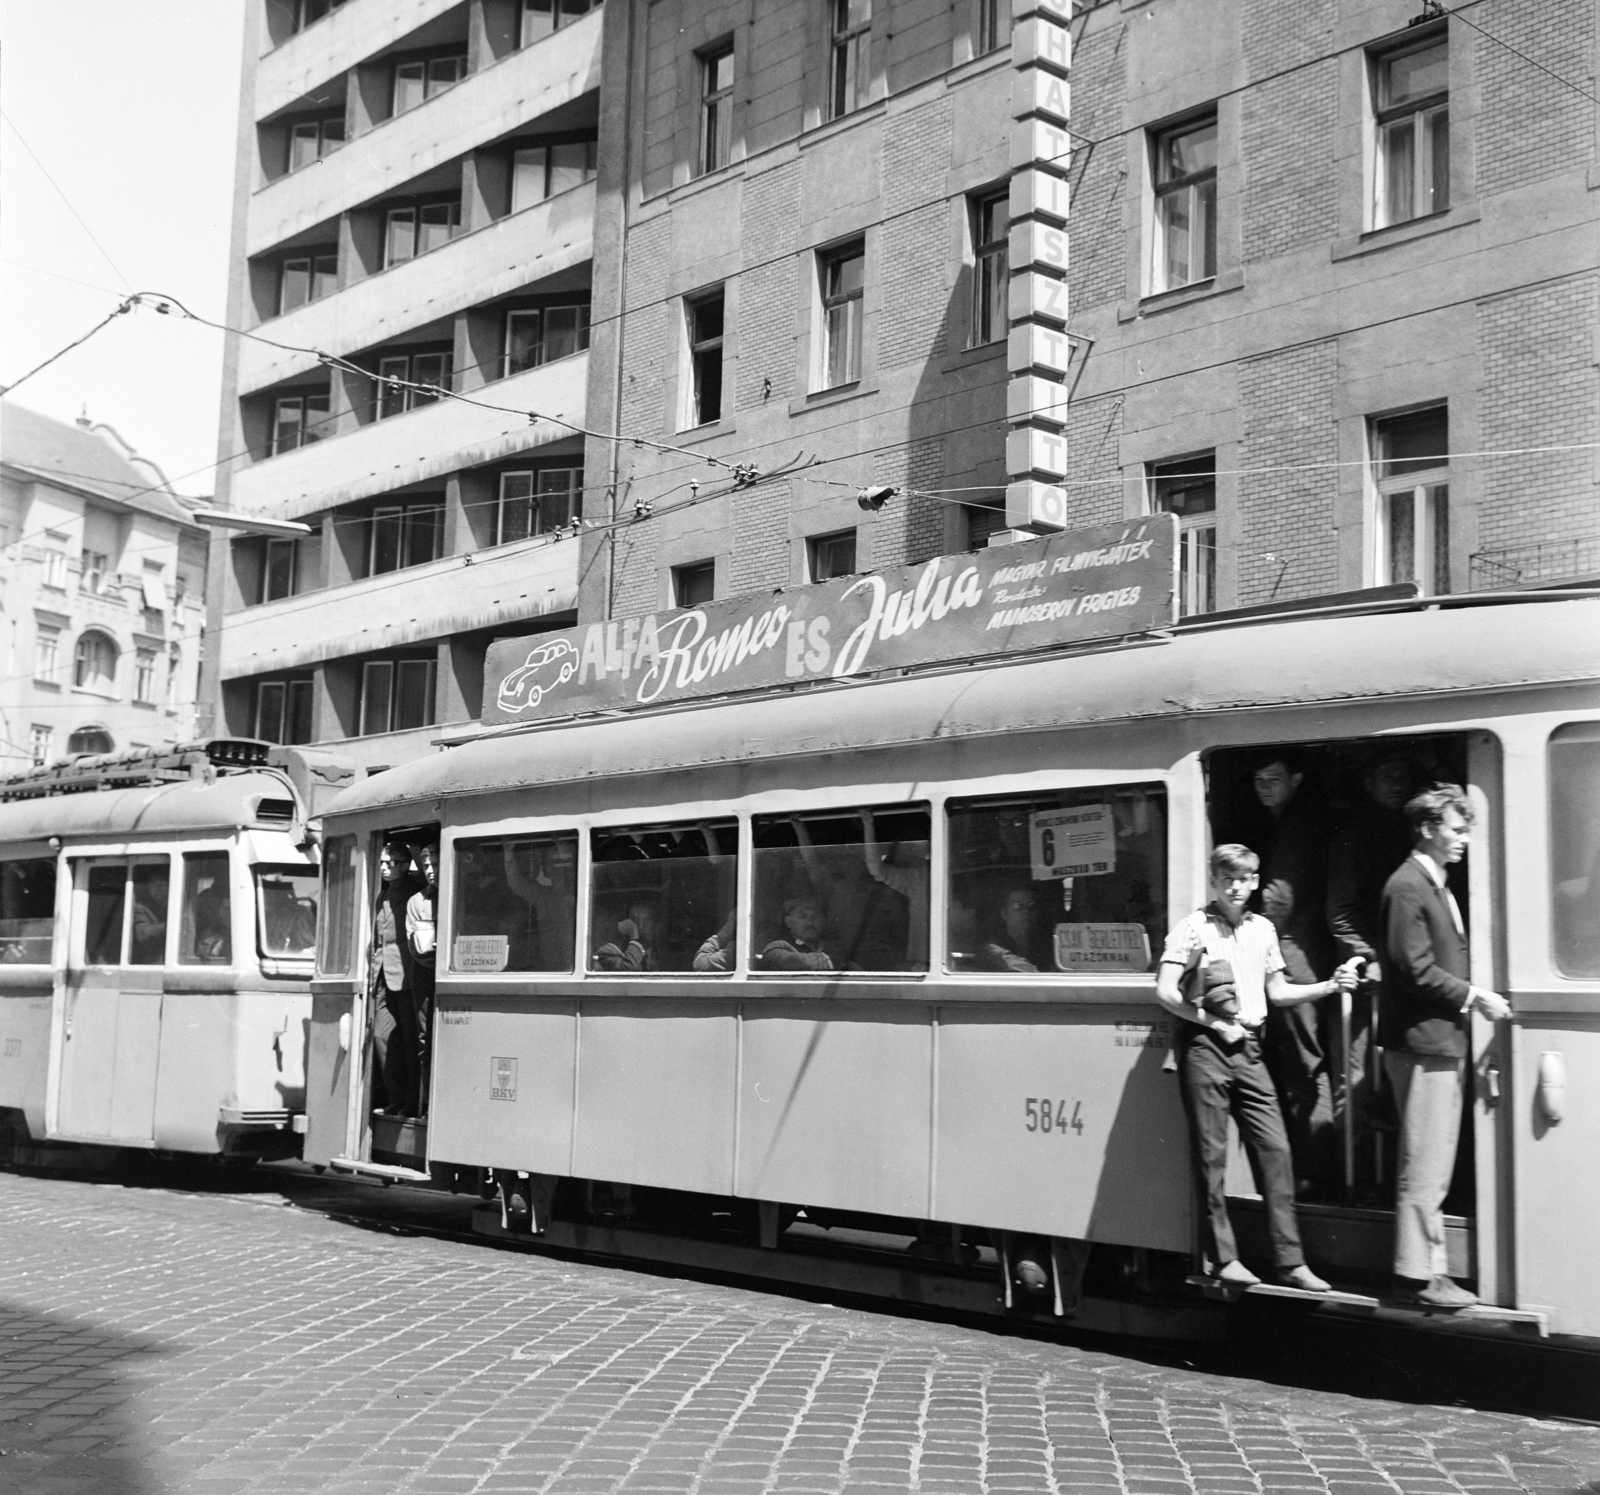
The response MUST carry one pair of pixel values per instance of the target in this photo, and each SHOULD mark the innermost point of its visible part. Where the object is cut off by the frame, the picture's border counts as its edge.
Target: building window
(542, 171)
(541, 17)
(850, 66)
(278, 569)
(994, 25)
(396, 694)
(1183, 242)
(1411, 477)
(283, 711)
(703, 318)
(39, 745)
(174, 676)
(312, 139)
(408, 381)
(90, 740)
(842, 273)
(144, 677)
(694, 584)
(544, 335)
(538, 502)
(416, 81)
(46, 653)
(1411, 120)
(716, 108)
(1188, 488)
(96, 571)
(95, 663)
(306, 277)
(417, 229)
(55, 569)
(307, 11)
(828, 556)
(298, 420)
(405, 535)
(991, 316)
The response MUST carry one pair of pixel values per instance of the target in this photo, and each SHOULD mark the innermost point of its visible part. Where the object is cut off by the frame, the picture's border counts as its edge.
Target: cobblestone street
(155, 1341)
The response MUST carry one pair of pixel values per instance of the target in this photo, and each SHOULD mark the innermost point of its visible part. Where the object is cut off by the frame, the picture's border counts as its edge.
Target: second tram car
(157, 919)
(880, 956)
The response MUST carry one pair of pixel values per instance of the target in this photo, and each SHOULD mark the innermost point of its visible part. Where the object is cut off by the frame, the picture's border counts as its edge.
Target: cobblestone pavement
(155, 1341)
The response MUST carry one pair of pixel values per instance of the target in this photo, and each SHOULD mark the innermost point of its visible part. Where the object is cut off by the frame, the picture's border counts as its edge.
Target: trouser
(422, 984)
(1356, 1082)
(394, 1048)
(1428, 1096)
(1222, 1080)
(1299, 1066)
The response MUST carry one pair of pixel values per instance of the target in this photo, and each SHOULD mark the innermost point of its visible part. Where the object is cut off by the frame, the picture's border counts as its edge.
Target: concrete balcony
(482, 107)
(348, 36)
(494, 261)
(428, 443)
(486, 589)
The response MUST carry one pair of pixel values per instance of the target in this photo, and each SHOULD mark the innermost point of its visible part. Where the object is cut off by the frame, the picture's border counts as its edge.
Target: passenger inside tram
(147, 940)
(801, 946)
(660, 893)
(516, 903)
(206, 932)
(288, 911)
(632, 947)
(394, 1016)
(27, 910)
(1013, 945)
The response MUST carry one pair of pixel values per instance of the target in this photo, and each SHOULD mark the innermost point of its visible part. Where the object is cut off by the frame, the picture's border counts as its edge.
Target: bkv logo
(547, 667)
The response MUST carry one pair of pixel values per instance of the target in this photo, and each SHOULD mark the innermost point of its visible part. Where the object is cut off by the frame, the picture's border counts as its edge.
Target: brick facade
(1530, 126)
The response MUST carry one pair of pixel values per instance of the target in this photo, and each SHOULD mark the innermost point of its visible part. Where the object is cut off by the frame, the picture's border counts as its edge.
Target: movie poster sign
(1080, 585)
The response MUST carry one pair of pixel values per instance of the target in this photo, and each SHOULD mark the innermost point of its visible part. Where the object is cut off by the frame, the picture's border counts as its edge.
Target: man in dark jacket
(1423, 1029)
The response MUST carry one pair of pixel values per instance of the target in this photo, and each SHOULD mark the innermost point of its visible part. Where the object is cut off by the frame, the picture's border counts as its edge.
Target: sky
(131, 109)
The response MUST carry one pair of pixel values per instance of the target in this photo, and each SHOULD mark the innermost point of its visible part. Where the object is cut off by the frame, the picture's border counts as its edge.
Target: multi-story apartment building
(102, 599)
(413, 220)
(1331, 296)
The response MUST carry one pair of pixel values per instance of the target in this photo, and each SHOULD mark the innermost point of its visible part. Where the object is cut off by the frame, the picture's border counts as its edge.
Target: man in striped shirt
(1220, 1064)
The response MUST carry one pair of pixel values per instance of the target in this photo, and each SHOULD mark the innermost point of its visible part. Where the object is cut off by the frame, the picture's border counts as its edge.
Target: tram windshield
(516, 903)
(663, 897)
(842, 890)
(1575, 848)
(286, 910)
(27, 910)
(339, 870)
(126, 921)
(1069, 880)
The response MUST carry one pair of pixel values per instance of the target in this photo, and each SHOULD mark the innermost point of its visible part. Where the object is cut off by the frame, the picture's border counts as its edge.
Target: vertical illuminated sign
(1038, 352)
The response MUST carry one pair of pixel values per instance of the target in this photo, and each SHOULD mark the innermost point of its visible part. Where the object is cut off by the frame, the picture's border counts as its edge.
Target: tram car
(157, 925)
(972, 1100)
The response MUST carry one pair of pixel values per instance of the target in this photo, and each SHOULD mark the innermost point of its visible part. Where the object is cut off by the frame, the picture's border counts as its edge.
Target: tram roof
(229, 802)
(1281, 662)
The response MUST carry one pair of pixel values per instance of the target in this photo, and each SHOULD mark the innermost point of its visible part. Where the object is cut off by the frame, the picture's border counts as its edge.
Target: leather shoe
(1440, 1293)
(1237, 1273)
(1303, 1278)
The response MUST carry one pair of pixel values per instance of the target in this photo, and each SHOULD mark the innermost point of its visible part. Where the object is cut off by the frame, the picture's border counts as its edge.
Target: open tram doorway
(397, 1049)
(1327, 820)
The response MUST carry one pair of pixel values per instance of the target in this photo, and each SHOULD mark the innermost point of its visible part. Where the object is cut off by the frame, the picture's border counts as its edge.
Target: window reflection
(664, 898)
(843, 890)
(27, 910)
(1071, 880)
(516, 903)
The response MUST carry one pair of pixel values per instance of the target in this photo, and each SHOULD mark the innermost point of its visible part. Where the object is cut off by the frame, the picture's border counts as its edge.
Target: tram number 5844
(1046, 1115)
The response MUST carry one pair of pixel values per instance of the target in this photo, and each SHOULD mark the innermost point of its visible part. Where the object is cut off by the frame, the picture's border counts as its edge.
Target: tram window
(286, 905)
(107, 906)
(207, 910)
(147, 930)
(1074, 880)
(338, 906)
(1575, 848)
(27, 910)
(843, 890)
(516, 903)
(663, 897)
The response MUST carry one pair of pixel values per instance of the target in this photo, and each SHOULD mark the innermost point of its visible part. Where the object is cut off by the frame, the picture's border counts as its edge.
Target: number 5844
(1045, 1115)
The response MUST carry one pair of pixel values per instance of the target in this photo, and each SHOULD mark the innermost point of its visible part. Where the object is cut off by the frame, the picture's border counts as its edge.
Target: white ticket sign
(1102, 947)
(481, 952)
(1073, 843)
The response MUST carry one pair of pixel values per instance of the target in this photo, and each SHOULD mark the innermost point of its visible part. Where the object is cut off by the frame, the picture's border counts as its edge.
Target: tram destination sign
(1076, 586)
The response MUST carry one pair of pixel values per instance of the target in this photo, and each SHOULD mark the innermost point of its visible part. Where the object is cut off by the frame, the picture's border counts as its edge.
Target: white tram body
(157, 913)
(1041, 1103)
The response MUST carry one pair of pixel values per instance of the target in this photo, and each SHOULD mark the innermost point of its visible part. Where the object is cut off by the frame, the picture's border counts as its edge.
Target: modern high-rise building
(102, 595)
(414, 214)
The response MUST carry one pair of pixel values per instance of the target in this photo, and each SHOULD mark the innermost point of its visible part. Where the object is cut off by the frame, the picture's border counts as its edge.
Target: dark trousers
(1299, 1065)
(422, 980)
(1219, 1081)
(394, 1048)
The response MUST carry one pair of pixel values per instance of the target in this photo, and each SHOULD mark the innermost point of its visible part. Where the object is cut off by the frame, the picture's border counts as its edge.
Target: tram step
(1342, 1240)
(387, 1171)
(1482, 1316)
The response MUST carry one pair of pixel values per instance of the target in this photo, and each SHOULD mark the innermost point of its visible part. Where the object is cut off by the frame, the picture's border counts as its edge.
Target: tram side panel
(25, 1001)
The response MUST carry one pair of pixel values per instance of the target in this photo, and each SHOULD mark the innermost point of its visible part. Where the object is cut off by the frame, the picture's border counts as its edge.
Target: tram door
(110, 999)
(1326, 820)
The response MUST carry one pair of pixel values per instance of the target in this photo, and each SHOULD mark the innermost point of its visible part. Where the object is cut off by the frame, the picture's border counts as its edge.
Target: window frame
(560, 15)
(689, 572)
(573, 491)
(994, 27)
(716, 108)
(1429, 518)
(322, 278)
(292, 695)
(47, 653)
(81, 661)
(1199, 190)
(849, 59)
(82, 869)
(1424, 114)
(539, 315)
(1197, 554)
(305, 429)
(699, 355)
(991, 261)
(396, 666)
(817, 545)
(408, 520)
(841, 311)
(279, 546)
(327, 134)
